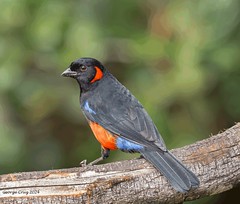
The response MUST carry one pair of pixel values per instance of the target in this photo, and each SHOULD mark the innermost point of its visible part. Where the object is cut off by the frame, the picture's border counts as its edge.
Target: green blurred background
(179, 58)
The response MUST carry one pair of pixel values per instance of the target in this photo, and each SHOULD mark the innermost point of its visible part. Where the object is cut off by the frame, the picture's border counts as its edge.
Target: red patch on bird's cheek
(98, 75)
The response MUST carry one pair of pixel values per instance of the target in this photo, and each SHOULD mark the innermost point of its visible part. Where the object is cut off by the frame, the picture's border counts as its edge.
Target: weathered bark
(216, 162)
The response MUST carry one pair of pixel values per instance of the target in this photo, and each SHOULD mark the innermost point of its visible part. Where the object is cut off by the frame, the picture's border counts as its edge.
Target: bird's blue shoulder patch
(88, 108)
(128, 146)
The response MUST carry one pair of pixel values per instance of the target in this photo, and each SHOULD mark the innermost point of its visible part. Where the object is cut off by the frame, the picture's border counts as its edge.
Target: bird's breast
(106, 139)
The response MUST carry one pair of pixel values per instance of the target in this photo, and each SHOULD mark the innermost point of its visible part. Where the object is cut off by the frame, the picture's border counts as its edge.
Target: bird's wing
(124, 116)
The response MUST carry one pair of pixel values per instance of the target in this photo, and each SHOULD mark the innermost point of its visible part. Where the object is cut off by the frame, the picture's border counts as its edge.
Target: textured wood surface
(215, 160)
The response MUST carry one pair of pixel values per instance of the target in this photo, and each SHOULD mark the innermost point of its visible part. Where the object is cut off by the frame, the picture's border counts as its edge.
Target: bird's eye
(83, 68)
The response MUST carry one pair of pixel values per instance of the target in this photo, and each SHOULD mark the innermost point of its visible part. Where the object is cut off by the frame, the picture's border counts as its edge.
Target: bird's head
(87, 71)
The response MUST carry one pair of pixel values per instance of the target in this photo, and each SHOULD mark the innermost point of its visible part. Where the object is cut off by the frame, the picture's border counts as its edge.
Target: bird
(119, 121)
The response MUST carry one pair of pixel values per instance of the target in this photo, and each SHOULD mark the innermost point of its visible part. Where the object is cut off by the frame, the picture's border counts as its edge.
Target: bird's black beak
(69, 73)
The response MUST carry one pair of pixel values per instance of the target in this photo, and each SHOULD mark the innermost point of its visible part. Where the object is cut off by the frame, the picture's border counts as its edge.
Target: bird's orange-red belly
(106, 139)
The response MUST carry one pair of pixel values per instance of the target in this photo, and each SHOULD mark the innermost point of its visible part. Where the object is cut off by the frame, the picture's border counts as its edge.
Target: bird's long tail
(181, 178)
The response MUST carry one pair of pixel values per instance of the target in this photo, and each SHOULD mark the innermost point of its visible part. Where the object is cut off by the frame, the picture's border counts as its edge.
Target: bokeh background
(181, 59)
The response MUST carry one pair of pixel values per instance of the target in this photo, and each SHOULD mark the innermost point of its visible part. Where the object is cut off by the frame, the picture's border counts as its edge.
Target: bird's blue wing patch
(128, 146)
(88, 108)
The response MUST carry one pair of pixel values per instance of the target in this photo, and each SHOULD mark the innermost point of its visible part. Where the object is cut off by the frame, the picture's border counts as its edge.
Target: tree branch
(216, 162)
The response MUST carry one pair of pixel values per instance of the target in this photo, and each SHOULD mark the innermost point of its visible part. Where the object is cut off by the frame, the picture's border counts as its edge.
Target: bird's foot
(83, 163)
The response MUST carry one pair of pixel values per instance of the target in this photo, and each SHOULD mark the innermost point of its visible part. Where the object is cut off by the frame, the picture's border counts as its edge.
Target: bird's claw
(83, 163)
